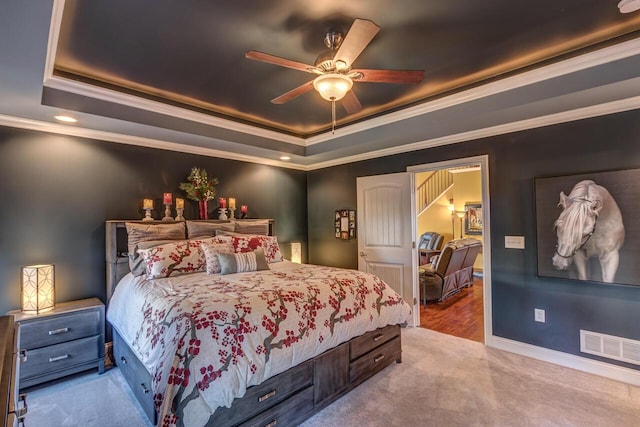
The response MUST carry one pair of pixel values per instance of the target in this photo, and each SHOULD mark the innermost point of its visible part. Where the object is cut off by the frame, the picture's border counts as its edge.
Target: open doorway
(451, 202)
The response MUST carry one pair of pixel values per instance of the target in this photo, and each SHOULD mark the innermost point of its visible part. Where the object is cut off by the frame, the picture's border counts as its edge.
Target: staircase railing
(432, 189)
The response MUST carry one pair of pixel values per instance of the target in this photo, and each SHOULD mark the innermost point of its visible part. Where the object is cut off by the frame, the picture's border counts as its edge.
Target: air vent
(610, 346)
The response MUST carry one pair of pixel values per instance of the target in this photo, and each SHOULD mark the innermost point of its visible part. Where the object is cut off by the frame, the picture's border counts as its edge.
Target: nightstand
(62, 341)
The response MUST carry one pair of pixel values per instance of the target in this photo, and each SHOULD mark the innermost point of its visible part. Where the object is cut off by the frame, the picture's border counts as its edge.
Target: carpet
(442, 381)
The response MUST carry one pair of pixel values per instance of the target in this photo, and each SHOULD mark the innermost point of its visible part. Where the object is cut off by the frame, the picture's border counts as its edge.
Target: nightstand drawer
(41, 332)
(60, 356)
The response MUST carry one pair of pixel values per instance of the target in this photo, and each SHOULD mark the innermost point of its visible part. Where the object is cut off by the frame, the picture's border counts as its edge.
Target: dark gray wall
(598, 144)
(57, 191)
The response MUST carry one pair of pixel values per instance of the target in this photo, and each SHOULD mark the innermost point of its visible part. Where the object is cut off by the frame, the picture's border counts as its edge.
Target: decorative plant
(200, 188)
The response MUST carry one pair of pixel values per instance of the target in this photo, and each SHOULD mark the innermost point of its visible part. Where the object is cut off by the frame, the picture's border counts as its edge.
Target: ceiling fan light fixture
(332, 86)
(628, 6)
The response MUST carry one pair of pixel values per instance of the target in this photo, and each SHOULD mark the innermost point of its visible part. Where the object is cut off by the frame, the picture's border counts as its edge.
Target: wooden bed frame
(285, 399)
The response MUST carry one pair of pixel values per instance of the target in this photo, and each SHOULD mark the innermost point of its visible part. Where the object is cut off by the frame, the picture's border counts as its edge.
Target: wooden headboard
(117, 257)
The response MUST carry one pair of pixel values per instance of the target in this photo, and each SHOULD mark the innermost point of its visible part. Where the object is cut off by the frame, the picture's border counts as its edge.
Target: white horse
(590, 225)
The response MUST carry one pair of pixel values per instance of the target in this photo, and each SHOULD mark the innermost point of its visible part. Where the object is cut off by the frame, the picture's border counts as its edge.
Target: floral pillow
(250, 243)
(243, 262)
(211, 251)
(175, 258)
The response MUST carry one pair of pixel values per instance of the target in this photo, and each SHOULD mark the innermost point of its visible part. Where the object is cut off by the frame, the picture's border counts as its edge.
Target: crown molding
(70, 130)
(541, 121)
(568, 66)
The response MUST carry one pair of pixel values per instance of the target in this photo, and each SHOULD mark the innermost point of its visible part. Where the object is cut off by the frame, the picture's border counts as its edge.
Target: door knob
(363, 255)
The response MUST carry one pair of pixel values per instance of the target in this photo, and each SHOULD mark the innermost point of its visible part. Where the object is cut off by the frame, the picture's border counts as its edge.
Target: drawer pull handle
(57, 358)
(378, 337)
(58, 331)
(379, 358)
(272, 423)
(123, 360)
(267, 396)
(145, 390)
(22, 412)
(23, 356)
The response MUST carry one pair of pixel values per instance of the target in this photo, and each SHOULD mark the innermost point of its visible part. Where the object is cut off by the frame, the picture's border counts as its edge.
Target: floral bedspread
(205, 339)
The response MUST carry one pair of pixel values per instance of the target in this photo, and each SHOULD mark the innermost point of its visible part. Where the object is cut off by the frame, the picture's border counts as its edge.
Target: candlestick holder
(232, 214)
(223, 213)
(147, 214)
(167, 212)
(179, 212)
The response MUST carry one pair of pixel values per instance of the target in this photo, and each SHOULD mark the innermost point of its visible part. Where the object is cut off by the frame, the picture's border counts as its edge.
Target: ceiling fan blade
(293, 93)
(359, 36)
(390, 76)
(351, 103)
(276, 60)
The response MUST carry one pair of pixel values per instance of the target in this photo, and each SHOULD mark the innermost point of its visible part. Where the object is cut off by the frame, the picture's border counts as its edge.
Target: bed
(271, 345)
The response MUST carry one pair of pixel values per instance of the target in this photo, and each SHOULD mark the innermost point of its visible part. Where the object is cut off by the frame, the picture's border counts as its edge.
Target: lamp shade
(296, 252)
(332, 86)
(38, 288)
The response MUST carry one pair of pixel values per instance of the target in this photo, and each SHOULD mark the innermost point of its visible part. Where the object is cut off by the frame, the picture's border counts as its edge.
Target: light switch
(514, 242)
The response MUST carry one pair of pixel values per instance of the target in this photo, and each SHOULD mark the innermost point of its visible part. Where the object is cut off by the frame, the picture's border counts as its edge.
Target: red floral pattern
(176, 258)
(237, 332)
(251, 243)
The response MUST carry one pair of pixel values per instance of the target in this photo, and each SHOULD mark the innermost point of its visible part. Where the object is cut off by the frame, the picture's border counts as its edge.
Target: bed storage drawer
(136, 374)
(374, 361)
(61, 328)
(371, 340)
(60, 356)
(262, 396)
(288, 413)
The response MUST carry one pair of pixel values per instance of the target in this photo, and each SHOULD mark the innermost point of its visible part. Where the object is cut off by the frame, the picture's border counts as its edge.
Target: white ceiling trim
(541, 121)
(70, 130)
(91, 91)
(582, 62)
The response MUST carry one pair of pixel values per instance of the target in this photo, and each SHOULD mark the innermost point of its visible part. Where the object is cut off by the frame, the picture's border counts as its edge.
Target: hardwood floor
(461, 315)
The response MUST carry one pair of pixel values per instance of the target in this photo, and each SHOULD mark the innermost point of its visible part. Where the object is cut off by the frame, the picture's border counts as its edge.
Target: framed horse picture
(588, 226)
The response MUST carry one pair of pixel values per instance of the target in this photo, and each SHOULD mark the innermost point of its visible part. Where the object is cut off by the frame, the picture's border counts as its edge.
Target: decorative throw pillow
(250, 243)
(243, 262)
(140, 232)
(252, 226)
(175, 258)
(211, 251)
(207, 229)
(137, 266)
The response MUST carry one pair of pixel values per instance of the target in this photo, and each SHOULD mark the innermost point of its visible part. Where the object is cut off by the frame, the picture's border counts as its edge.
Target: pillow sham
(175, 258)
(208, 229)
(260, 227)
(137, 265)
(250, 243)
(242, 262)
(138, 232)
(211, 251)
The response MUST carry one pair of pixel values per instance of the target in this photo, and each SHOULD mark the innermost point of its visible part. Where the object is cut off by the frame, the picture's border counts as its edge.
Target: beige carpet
(442, 381)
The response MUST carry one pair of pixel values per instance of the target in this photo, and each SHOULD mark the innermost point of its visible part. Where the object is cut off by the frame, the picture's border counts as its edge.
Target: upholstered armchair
(450, 271)
(429, 245)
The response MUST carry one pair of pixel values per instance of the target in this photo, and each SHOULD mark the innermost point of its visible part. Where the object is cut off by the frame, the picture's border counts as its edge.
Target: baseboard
(596, 367)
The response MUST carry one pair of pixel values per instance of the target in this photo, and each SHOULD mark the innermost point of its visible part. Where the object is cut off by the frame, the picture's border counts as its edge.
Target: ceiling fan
(335, 75)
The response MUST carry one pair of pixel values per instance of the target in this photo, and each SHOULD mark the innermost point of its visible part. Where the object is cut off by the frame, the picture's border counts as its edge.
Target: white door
(385, 240)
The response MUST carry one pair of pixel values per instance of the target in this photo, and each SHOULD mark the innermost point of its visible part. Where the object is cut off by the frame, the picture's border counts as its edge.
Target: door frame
(483, 161)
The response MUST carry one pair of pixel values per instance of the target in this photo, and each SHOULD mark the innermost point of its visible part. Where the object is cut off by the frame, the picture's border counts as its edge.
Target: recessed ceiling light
(285, 158)
(628, 6)
(66, 119)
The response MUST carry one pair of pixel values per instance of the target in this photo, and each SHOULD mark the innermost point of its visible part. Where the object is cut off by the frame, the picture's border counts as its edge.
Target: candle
(147, 204)
(179, 203)
(223, 202)
(167, 198)
(244, 209)
(232, 203)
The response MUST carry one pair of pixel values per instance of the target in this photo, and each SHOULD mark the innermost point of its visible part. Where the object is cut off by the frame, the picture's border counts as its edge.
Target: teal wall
(57, 191)
(515, 160)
